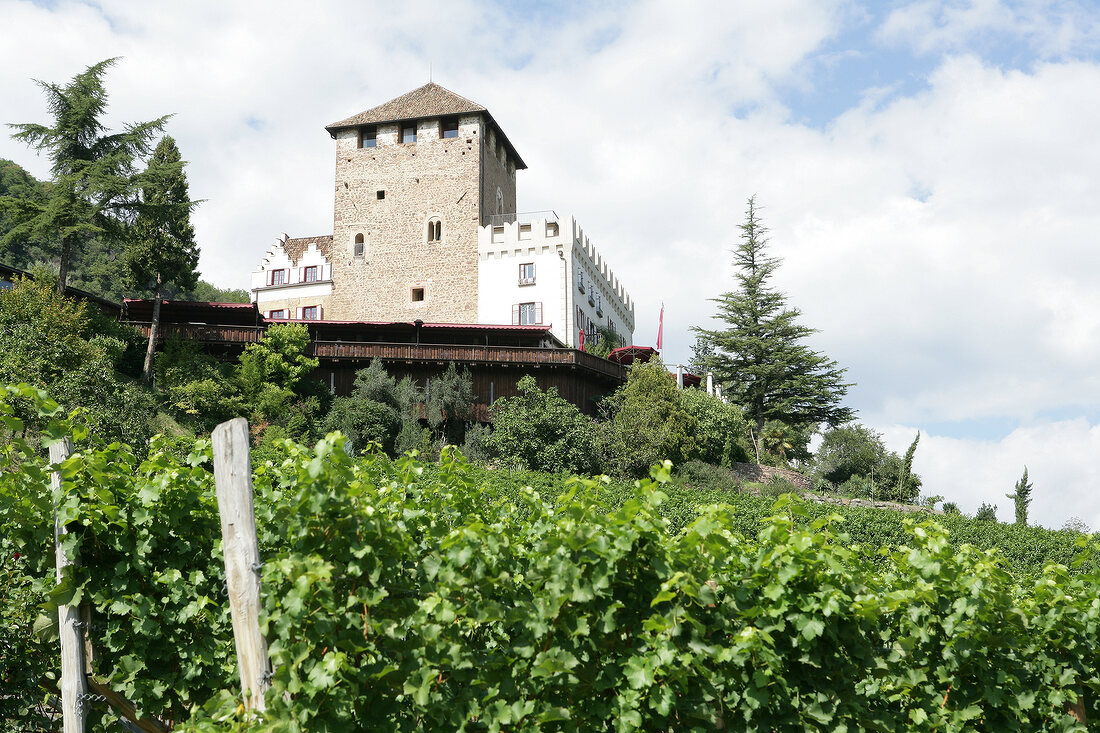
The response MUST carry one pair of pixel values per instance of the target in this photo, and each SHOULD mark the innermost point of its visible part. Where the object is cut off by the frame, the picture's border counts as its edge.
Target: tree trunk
(154, 327)
(63, 266)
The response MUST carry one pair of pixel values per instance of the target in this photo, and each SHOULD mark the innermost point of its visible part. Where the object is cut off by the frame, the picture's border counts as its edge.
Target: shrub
(541, 431)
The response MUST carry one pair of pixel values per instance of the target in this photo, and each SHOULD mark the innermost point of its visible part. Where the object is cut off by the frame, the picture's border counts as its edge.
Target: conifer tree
(1022, 497)
(93, 181)
(759, 357)
(161, 248)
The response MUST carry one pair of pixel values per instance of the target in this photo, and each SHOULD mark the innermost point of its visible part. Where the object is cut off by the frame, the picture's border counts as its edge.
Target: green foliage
(52, 342)
(782, 445)
(851, 455)
(198, 389)
(951, 507)
(541, 431)
(451, 404)
(760, 356)
(274, 380)
(161, 247)
(93, 172)
(376, 411)
(646, 423)
(986, 513)
(1021, 498)
(609, 340)
(722, 433)
(403, 596)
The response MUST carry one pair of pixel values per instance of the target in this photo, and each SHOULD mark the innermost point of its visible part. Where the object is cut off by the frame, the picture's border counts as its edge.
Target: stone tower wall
(433, 177)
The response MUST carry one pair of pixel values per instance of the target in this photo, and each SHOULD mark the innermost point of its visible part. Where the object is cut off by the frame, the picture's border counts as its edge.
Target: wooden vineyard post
(233, 479)
(74, 686)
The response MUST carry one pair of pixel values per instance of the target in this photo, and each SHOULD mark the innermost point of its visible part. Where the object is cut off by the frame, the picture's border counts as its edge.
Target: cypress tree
(759, 357)
(1022, 498)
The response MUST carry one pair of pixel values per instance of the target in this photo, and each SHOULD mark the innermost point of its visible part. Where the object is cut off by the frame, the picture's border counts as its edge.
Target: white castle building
(425, 229)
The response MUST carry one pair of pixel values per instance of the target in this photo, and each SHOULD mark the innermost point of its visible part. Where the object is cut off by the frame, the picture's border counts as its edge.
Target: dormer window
(450, 128)
(309, 274)
(368, 137)
(435, 230)
(278, 277)
(408, 133)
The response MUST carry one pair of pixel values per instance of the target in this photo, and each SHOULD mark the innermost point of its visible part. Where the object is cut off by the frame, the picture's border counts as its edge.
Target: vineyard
(400, 595)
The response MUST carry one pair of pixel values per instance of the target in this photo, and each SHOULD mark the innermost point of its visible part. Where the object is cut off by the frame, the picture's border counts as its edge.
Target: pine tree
(93, 181)
(760, 357)
(161, 248)
(1022, 497)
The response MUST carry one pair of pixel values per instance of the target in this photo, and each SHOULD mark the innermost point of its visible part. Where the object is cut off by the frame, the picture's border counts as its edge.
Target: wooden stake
(233, 479)
(74, 688)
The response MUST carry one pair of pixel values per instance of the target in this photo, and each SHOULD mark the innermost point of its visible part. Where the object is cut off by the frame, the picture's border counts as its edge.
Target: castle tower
(415, 178)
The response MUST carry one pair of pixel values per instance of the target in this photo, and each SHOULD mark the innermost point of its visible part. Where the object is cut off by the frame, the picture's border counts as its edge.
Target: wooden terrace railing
(205, 333)
(510, 355)
(462, 354)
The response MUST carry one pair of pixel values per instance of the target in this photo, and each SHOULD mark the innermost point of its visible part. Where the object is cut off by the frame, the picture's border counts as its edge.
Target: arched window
(435, 230)
(360, 245)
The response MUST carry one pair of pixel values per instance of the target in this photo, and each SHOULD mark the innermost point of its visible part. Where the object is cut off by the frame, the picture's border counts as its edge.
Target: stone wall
(433, 177)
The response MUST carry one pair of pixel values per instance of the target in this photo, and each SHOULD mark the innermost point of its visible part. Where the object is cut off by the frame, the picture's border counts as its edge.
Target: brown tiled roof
(430, 100)
(295, 248)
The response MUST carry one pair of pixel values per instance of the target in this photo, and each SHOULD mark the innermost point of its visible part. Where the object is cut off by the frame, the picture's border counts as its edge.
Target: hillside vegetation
(400, 595)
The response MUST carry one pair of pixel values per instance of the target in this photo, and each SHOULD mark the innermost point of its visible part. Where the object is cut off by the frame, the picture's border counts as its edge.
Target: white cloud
(972, 472)
(1049, 28)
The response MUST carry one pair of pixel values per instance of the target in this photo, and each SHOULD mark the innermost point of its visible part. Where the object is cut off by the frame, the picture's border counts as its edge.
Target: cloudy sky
(928, 170)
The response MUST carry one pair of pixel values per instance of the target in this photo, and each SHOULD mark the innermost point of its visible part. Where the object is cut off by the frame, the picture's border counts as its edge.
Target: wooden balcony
(509, 356)
(348, 351)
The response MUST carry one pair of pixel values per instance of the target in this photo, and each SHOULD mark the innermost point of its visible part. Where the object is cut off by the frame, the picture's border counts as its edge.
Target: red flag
(661, 327)
(580, 344)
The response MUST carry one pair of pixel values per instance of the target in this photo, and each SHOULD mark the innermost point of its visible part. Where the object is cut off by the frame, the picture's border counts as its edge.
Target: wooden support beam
(233, 480)
(126, 708)
(74, 688)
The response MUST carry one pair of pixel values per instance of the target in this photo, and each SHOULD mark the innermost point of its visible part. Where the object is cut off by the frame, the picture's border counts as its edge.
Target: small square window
(310, 274)
(417, 295)
(527, 273)
(450, 128)
(408, 133)
(380, 195)
(368, 137)
(310, 313)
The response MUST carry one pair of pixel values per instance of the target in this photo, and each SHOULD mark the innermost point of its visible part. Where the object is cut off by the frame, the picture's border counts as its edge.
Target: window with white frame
(526, 314)
(527, 273)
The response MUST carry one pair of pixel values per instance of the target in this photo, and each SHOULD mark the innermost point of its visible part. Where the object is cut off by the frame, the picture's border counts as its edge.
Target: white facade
(542, 270)
(292, 286)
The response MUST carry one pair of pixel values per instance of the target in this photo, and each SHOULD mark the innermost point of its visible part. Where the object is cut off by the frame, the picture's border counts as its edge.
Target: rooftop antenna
(429, 72)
